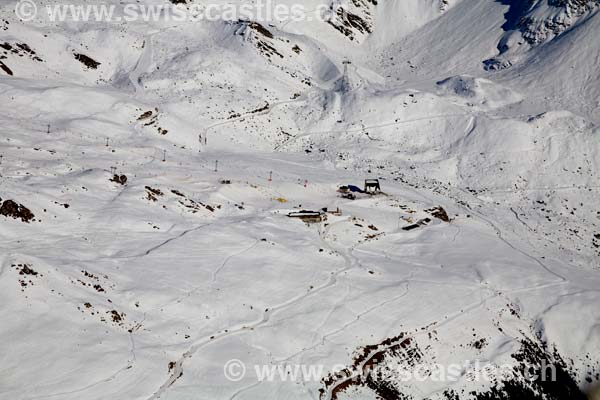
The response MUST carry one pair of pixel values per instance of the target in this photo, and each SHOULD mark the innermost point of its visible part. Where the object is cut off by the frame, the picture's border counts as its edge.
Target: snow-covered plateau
(176, 196)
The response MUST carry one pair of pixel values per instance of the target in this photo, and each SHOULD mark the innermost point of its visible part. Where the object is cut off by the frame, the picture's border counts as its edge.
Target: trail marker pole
(216, 165)
(48, 132)
(164, 155)
(270, 176)
(107, 139)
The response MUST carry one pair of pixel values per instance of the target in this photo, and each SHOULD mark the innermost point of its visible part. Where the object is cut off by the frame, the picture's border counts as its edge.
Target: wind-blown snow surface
(145, 288)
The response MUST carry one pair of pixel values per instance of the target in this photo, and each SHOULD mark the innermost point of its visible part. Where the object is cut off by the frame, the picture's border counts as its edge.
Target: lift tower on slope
(345, 80)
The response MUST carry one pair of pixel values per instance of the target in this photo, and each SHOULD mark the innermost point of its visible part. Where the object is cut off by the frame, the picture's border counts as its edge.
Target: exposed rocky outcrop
(550, 18)
(15, 210)
(353, 19)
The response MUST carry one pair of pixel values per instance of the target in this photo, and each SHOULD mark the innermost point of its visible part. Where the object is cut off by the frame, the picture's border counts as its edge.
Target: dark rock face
(87, 61)
(120, 179)
(359, 20)
(537, 31)
(574, 4)
(535, 22)
(538, 372)
(15, 210)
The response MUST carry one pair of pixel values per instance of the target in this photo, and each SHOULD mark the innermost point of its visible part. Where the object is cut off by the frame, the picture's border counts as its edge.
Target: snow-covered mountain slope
(148, 169)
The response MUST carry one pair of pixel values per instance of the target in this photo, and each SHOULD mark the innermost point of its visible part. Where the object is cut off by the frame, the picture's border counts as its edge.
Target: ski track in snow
(561, 279)
(222, 266)
(351, 262)
(87, 387)
(431, 327)
(323, 339)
